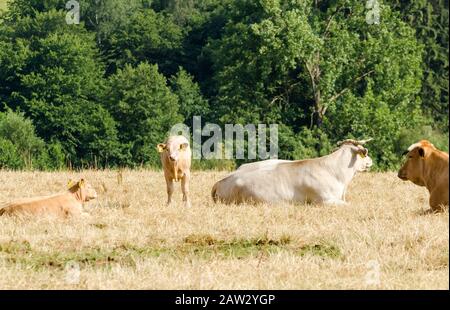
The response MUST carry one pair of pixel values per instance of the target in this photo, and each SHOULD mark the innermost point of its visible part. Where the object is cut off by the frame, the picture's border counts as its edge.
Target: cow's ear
(184, 146)
(421, 152)
(363, 152)
(161, 147)
(81, 183)
(70, 184)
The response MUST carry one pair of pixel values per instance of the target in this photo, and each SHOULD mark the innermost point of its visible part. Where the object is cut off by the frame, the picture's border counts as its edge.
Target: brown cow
(427, 166)
(176, 162)
(65, 204)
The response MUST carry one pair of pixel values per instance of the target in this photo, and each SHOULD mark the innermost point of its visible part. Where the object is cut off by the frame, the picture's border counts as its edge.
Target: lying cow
(427, 166)
(176, 162)
(319, 180)
(64, 205)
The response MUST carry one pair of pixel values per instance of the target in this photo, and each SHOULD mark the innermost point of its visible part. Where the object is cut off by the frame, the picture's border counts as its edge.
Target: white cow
(318, 180)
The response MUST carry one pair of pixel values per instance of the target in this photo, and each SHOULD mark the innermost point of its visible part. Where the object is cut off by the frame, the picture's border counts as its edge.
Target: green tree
(430, 19)
(20, 146)
(30, 8)
(105, 16)
(145, 36)
(9, 156)
(53, 74)
(20, 131)
(145, 110)
(297, 63)
(189, 96)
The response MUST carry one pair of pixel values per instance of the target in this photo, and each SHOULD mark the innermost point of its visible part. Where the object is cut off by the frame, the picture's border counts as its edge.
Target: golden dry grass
(133, 241)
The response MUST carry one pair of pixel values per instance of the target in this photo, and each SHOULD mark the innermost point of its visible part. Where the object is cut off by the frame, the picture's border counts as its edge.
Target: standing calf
(176, 161)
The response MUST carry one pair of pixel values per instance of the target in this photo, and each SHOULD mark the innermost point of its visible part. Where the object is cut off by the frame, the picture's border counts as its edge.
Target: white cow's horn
(354, 142)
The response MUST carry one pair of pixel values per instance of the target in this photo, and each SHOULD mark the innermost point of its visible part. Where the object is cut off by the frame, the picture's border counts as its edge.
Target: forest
(103, 93)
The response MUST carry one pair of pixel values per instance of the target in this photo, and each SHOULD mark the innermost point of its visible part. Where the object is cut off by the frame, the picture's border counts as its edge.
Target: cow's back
(58, 205)
(268, 181)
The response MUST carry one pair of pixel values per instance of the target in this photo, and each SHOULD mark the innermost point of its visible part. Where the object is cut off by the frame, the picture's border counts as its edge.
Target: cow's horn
(354, 142)
(346, 141)
(362, 142)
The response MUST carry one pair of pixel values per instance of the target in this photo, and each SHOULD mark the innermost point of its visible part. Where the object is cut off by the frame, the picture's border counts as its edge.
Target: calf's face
(83, 189)
(88, 191)
(173, 150)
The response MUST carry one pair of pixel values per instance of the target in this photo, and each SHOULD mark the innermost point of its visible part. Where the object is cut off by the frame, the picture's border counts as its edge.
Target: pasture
(381, 240)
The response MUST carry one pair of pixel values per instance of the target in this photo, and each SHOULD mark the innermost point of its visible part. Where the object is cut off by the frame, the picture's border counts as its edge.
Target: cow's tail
(214, 193)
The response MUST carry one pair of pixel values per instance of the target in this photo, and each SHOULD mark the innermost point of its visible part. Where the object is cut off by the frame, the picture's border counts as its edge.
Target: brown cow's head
(413, 168)
(173, 149)
(83, 190)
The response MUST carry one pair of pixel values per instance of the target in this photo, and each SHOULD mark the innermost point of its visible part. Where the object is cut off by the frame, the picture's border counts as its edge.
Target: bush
(308, 143)
(52, 157)
(20, 132)
(213, 164)
(9, 156)
(408, 137)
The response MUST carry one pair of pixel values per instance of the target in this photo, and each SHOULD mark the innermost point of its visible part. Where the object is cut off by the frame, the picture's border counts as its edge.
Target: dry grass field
(381, 240)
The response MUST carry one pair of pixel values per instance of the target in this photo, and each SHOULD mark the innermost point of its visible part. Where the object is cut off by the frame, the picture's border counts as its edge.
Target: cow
(319, 180)
(427, 166)
(63, 205)
(175, 156)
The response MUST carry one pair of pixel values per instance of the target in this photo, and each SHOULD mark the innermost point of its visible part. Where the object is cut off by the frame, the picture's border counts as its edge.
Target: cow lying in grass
(427, 166)
(63, 205)
(318, 180)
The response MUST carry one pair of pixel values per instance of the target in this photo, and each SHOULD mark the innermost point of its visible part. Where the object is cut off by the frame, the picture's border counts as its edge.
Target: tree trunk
(314, 73)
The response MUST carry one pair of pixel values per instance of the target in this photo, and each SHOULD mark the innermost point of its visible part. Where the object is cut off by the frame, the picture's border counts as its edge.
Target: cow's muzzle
(402, 176)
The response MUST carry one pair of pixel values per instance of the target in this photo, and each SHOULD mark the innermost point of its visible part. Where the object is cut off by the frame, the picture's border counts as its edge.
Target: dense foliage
(103, 93)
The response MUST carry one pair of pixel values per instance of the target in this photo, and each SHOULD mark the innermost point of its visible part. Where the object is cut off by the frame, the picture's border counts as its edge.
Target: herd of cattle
(319, 180)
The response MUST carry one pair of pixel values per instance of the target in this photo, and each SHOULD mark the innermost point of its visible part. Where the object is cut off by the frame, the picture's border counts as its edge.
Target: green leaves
(282, 61)
(144, 108)
(107, 90)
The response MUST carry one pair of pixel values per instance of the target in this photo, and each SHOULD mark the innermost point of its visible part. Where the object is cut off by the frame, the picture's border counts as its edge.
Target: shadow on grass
(22, 254)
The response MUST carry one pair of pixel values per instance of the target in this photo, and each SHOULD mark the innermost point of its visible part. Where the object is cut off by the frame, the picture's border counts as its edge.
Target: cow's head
(173, 149)
(363, 161)
(83, 190)
(360, 159)
(416, 156)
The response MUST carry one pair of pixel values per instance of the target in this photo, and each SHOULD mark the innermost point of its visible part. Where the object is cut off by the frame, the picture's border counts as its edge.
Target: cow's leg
(170, 189)
(334, 201)
(436, 203)
(185, 189)
(343, 194)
